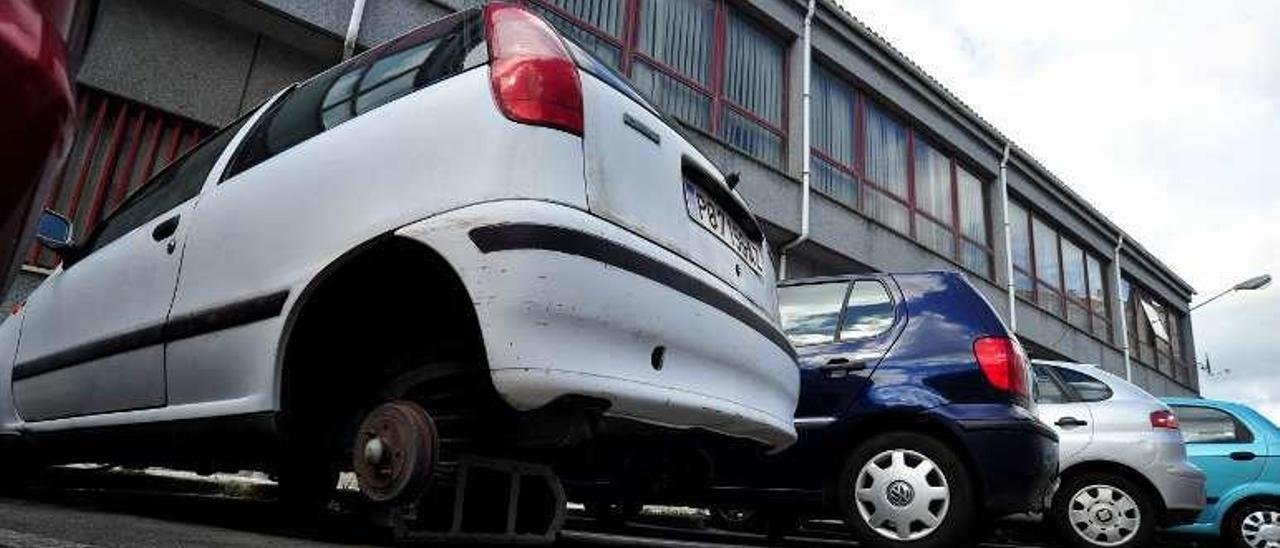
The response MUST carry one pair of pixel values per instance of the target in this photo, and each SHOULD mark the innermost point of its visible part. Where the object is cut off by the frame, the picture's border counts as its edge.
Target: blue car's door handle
(845, 364)
(1243, 455)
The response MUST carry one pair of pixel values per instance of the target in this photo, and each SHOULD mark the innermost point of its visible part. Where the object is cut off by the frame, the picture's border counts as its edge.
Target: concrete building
(905, 175)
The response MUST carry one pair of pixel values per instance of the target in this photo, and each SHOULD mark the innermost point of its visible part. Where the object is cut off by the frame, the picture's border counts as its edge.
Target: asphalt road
(85, 508)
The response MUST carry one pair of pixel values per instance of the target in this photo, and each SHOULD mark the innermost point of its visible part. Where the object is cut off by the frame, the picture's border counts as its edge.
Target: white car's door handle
(165, 229)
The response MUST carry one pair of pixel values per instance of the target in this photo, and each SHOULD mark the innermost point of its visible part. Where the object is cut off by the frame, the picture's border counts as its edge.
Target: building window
(886, 153)
(1101, 320)
(1076, 285)
(753, 88)
(1155, 333)
(933, 199)
(975, 240)
(907, 184)
(699, 60)
(834, 134)
(1020, 231)
(1048, 266)
(1057, 274)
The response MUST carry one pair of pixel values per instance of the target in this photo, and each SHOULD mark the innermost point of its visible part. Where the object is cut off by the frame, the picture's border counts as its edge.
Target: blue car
(1237, 448)
(915, 414)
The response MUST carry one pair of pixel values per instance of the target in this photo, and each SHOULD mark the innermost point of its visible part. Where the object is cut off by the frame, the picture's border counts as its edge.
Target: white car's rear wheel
(1096, 510)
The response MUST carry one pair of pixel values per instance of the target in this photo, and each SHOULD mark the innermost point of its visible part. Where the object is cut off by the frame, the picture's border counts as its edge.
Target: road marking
(17, 539)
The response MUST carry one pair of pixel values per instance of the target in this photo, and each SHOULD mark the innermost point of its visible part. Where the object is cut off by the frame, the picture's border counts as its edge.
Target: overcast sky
(1165, 115)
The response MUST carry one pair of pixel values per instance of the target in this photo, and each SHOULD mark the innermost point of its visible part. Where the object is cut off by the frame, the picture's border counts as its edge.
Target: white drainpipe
(353, 30)
(804, 173)
(1010, 287)
(1124, 327)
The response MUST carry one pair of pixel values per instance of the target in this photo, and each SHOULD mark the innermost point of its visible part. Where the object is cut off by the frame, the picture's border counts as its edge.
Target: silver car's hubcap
(1261, 529)
(902, 495)
(1104, 515)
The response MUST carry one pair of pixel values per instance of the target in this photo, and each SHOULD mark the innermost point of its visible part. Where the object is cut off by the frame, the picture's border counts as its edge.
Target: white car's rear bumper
(571, 304)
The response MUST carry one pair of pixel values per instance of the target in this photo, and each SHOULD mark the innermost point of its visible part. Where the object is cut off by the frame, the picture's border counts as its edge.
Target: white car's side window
(1087, 387)
(177, 183)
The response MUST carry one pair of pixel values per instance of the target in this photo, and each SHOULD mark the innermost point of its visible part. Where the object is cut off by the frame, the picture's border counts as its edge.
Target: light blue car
(1238, 450)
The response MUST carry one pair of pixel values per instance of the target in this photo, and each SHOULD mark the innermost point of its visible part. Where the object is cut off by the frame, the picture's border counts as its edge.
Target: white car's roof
(1120, 387)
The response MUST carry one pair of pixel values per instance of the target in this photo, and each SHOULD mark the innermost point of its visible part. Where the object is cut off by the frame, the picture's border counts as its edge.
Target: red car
(40, 43)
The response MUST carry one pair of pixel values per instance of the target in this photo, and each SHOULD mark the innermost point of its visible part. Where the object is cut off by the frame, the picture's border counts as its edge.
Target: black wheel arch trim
(527, 236)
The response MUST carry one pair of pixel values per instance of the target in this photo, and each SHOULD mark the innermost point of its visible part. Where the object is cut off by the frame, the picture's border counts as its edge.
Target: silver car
(1124, 469)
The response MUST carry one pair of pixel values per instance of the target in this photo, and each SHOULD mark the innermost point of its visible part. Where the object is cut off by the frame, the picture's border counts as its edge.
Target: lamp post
(1256, 282)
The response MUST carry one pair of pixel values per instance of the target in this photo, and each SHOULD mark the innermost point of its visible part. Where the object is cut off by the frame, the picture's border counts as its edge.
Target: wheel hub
(1261, 529)
(395, 450)
(1104, 515)
(899, 493)
(902, 495)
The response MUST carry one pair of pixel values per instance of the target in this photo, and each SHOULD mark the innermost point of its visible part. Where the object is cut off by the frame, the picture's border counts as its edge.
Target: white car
(476, 218)
(1122, 460)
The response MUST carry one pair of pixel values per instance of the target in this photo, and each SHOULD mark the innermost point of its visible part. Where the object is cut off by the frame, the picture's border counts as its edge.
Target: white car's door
(94, 333)
(1072, 420)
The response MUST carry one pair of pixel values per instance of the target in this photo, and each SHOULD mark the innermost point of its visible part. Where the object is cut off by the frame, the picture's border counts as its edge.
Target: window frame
(1149, 349)
(715, 90)
(1240, 426)
(864, 184)
(1095, 318)
(1070, 395)
(1076, 397)
(844, 310)
(844, 301)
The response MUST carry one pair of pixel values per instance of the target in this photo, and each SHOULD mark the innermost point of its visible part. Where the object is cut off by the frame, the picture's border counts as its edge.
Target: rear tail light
(1164, 419)
(1003, 364)
(534, 79)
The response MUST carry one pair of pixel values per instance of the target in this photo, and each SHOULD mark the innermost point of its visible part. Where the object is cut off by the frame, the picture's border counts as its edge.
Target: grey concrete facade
(211, 60)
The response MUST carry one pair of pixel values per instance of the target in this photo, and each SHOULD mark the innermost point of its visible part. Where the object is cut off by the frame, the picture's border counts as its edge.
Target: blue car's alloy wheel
(906, 490)
(1254, 525)
(1261, 528)
(902, 495)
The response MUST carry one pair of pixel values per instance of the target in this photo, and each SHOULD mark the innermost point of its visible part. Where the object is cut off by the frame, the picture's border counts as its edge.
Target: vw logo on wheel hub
(900, 493)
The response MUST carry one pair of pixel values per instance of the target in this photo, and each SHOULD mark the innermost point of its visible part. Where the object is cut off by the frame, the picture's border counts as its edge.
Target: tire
(1244, 523)
(1098, 510)
(939, 503)
(739, 519)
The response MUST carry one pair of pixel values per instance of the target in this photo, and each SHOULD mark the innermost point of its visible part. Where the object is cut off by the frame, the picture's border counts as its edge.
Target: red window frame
(715, 91)
(865, 184)
(1154, 353)
(1095, 318)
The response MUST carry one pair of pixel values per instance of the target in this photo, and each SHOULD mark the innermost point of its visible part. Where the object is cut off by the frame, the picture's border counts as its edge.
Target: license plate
(707, 213)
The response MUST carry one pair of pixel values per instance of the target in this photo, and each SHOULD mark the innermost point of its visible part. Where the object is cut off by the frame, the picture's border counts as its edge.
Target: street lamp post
(1256, 282)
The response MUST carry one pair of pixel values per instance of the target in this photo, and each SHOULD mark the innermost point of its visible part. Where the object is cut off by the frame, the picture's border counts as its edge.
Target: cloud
(1163, 114)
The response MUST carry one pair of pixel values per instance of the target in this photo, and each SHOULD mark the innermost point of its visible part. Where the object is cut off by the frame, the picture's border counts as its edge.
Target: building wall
(211, 60)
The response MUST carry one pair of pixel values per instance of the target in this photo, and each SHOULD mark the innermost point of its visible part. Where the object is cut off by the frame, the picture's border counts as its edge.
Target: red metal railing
(119, 145)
